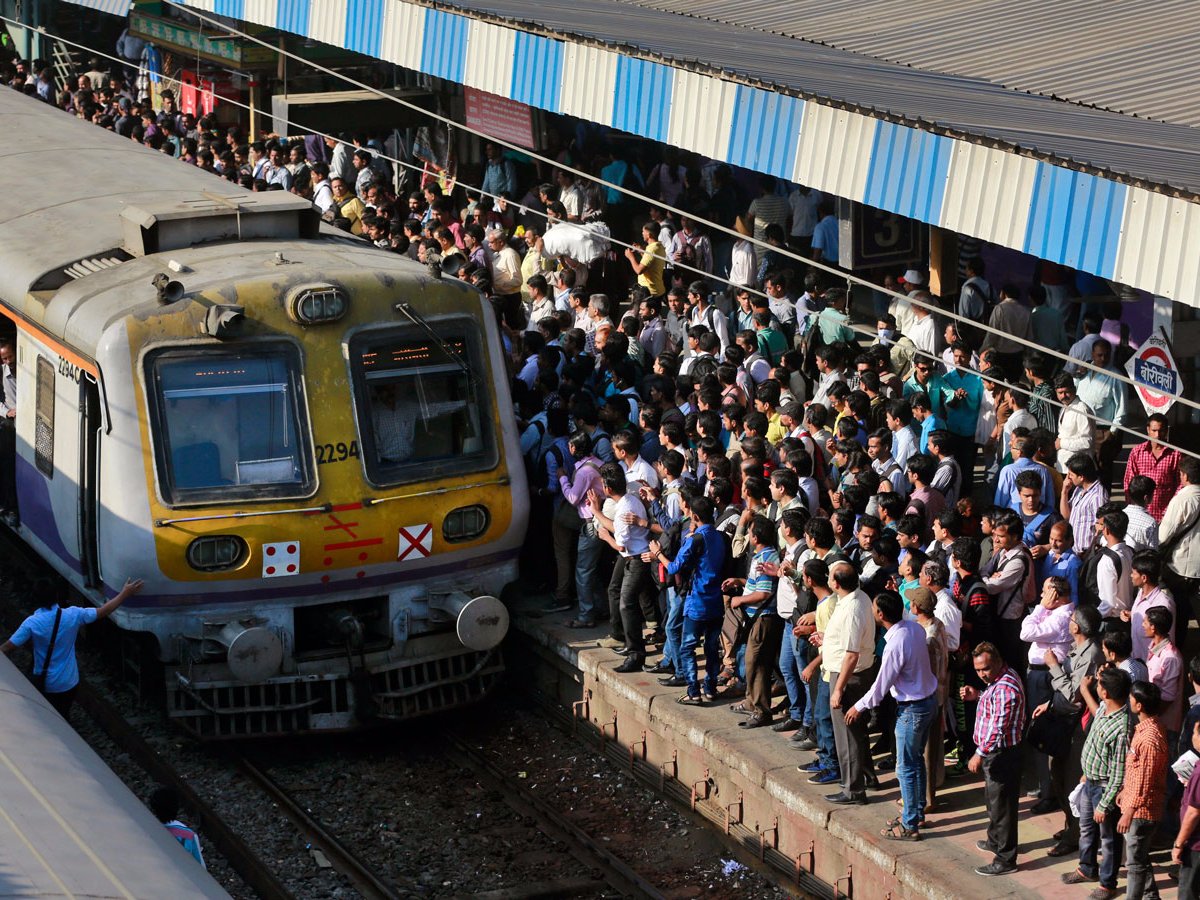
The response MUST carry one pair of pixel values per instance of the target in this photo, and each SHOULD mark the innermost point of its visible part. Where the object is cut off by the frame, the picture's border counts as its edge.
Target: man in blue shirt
(922, 412)
(61, 671)
(1007, 493)
(1060, 559)
(699, 561)
(825, 234)
(962, 410)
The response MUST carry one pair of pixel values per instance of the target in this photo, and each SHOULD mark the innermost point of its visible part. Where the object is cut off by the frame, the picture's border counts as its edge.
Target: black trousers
(62, 701)
(1010, 645)
(1002, 791)
(851, 740)
(8, 465)
(628, 589)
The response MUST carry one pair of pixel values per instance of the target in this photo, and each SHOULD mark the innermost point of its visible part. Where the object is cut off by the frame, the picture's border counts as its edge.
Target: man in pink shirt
(1144, 576)
(1166, 668)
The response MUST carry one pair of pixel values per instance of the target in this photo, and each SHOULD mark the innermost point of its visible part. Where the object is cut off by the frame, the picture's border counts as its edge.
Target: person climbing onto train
(53, 628)
(8, 433)
(164, 803)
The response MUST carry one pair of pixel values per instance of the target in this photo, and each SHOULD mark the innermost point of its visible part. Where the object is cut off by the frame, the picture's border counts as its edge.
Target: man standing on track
(53, 629)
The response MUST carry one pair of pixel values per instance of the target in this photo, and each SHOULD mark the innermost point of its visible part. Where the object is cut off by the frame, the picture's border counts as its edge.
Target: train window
(230, 424)
(422, 403)
(43, 429)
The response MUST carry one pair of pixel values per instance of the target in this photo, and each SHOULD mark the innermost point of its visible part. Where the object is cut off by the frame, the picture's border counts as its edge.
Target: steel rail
(552, 823)
(343, 859)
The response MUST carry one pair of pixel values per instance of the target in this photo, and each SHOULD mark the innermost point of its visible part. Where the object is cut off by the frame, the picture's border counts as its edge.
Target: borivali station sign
(1156, 376)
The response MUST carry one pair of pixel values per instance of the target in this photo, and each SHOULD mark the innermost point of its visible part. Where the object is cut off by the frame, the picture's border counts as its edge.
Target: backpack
(702, 368)
(541, 471)
(1089, 581)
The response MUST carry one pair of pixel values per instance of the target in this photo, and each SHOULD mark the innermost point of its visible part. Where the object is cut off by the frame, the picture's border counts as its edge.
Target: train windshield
(231, 425)
(422, 409)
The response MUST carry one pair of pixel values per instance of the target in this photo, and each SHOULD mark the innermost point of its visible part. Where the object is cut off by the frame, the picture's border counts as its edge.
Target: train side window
(420, 415)
(43, 429)
(230, 424)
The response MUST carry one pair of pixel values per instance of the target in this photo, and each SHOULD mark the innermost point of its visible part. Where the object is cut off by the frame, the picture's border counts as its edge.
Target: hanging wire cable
(712, 226)
(850, 279)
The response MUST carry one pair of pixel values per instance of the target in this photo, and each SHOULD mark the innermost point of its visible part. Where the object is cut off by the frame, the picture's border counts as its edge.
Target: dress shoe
(985, 847)
(844, 798)
(871, 780)
(788, 724)
(825, 777)
(1063, 848)
(996, 868)
(755, 722)
(662, 667)
(625, 650)
(808, 742)
(632, 663)
(1042, 807)
(673, 681)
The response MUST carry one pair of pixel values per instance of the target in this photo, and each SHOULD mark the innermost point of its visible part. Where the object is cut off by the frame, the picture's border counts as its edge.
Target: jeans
(695, 633)
(1098, 842)
(826, 748)
(791, 662)
(672, 647)
(1137, 860)
(586, 559)
(807, 653)
(913, 721)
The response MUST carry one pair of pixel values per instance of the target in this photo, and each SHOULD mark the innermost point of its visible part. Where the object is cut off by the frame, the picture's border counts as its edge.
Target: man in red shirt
(1144, 792)
(999, 727)
(1160, 464)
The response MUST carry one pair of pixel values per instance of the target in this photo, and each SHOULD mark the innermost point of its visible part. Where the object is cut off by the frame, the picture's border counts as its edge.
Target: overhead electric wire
(916, 351)
(595, 179)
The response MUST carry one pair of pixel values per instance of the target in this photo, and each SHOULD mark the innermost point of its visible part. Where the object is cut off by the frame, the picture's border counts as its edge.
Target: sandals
(897, 832)
(727, 673)
(689, 700)
(740, 708)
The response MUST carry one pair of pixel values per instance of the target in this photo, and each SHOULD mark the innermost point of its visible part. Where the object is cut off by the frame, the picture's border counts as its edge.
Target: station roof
(1137, 57)
(989, 70)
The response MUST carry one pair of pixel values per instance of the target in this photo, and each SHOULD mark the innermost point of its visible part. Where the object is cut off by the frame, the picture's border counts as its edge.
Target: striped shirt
(1000, 719)
(1104, 751)
(757, 580)
(1084, 501)
(1145, 787)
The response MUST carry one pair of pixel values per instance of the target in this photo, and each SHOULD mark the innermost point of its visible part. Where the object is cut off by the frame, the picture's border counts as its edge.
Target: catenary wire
(916, 351)
(713, 226)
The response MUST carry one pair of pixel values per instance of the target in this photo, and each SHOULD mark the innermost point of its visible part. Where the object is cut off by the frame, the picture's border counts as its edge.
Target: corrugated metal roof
(1139, 57)
(1164, 154)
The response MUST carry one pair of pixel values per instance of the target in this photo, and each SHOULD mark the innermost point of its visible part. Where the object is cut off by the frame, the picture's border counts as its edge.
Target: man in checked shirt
(1144, 792)
(999, 727)
(1104, 751)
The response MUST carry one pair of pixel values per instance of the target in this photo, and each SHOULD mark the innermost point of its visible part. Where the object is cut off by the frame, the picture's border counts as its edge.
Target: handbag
(1051, 733)
(39, 679)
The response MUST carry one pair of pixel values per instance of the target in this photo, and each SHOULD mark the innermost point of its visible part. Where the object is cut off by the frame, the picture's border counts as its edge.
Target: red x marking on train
(415, 541)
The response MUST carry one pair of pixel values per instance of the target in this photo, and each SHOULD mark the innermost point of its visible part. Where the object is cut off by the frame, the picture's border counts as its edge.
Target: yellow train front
(304, 445)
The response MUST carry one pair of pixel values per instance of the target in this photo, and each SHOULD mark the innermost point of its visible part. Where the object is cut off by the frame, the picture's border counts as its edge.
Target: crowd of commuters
(912, 535)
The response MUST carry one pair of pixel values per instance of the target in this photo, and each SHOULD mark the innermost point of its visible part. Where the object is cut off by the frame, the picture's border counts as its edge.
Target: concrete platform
(826, 840)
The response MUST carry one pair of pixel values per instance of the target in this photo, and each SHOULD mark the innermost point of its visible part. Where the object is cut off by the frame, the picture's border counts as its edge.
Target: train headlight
(465, 523)
(216, 553)
(316, 304)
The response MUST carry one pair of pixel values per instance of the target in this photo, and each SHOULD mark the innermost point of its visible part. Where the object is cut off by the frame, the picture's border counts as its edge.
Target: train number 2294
(339, 452)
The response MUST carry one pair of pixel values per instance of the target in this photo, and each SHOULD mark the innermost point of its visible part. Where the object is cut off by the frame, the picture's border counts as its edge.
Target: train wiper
(417, 319)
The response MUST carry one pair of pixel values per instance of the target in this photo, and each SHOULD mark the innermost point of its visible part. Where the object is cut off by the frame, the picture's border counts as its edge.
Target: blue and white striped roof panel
(1054, 212)
(112, 7)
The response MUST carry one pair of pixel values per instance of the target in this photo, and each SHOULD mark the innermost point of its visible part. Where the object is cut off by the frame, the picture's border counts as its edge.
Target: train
(69, 827)
(304, 445)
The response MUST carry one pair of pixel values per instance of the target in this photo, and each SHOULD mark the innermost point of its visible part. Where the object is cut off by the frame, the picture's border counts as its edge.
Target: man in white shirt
(830, 372)
(935, 576)
(635, 469)
(886, 466)
(1076, 428)
(1114, 567)
(848, 654)
(631, 574)
(923, 331)
(804, 202)
(1143, 528)
(899, 422)
(322, 191)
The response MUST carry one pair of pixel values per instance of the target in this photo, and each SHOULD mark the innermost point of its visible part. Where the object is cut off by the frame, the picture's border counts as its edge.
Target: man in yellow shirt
(649, 267)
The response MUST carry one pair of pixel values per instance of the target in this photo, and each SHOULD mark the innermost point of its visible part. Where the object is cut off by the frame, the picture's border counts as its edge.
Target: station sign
(1155, 374)
(870, 237)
